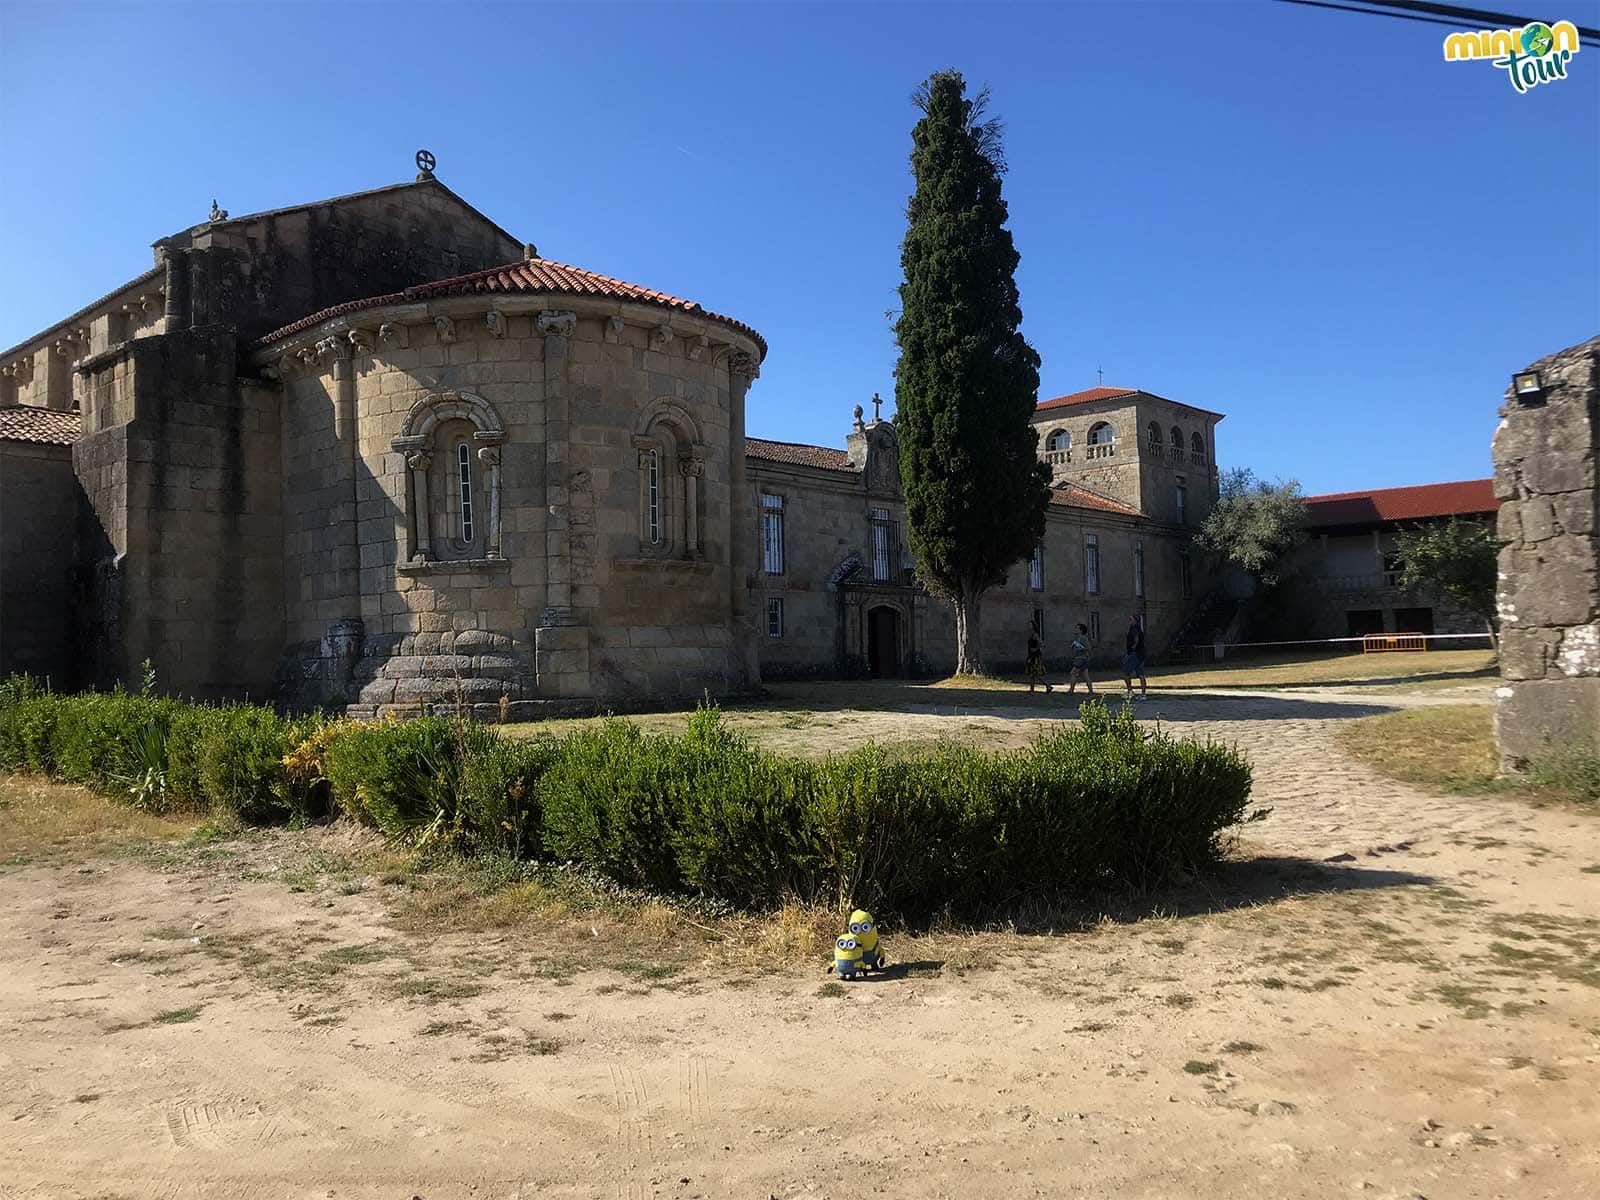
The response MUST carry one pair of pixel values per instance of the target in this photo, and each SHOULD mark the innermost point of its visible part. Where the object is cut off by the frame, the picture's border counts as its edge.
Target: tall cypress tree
(967, 381)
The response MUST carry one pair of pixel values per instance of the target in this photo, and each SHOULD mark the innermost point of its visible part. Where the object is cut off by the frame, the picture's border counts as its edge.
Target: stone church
(376, 452)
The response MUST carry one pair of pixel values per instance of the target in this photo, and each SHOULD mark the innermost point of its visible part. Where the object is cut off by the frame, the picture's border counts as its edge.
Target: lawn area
(1451, 748)
(1426, 669)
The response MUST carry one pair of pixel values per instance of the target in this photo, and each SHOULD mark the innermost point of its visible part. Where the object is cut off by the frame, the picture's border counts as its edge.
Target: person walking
(1080, 661)
(1035, 661)
(1133, 660)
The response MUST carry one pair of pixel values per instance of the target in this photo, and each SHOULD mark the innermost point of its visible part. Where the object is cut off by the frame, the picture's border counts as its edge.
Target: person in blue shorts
(1133, 660)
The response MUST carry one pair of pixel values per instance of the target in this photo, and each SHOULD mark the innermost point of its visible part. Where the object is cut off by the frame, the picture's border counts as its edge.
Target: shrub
(239, 761)
(500, 795)
(407, 778)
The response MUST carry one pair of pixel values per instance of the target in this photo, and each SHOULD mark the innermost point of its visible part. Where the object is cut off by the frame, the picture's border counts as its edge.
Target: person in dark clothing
(1035, 662)
(1133, 660)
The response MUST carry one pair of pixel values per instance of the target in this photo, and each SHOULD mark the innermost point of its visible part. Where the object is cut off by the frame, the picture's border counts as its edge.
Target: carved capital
(307, 356)
(419, 460)
(446, 328)
(391, 334)
(661, 335)
(496, 321)
(556, 324)
(696, 346)
(744, 364)
(645, 457)
(361, 341)
(489, 456)
(614, 328)
(152, 300)
(691, 468)
(332, 346)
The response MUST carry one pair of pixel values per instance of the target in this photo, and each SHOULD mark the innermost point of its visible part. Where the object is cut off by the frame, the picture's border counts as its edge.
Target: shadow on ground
(1235, 884)
(909, 697)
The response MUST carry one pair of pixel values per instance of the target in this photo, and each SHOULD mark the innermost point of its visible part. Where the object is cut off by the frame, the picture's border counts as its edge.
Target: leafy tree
(967, 381)
(1254, 524)
(1457, 557)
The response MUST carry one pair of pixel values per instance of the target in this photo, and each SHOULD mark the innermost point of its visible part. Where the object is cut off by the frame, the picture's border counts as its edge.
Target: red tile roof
(1090, 395)
(1070, 495)
(797, 454)
(47, 426)
(531, 277)
(1464, 498)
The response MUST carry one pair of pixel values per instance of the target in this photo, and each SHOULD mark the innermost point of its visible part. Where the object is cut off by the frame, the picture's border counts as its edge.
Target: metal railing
(1377, 581)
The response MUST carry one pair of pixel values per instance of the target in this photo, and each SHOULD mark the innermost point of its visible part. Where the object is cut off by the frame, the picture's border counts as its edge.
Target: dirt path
(1419, 1017)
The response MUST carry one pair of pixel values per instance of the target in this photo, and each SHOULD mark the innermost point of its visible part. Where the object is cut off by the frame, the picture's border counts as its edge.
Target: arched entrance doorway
(883, 642)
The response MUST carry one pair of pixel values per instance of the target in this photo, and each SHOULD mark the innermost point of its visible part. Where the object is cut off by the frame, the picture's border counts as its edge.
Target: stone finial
(556, 324)
(218, 214)
(446, 328)
(860, 424)
(529, 252)
(391, 333)
(496, 321)
(426, 162)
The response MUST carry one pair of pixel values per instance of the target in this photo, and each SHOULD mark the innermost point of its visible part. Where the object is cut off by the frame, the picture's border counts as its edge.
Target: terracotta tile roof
(1070, 495)
(1466, 497)
(797, 454)
(532, 277)
(1090, 395)
(48, 426)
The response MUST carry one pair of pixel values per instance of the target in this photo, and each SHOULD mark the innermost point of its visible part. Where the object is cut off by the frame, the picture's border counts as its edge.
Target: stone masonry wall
(557, 597)
(182, 544)
(39, 499)
(1549, 595)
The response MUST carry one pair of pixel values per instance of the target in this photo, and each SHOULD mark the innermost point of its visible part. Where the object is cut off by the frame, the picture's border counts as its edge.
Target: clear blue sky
(1304, 219)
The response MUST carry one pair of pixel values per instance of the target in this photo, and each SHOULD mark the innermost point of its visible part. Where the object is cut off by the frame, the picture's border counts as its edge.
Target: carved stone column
(557, 329)
(419, 462)
(742, 372)
(692, 469)
(489, 457)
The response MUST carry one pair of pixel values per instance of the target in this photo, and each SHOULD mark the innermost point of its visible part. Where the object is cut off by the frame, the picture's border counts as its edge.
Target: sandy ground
(1392, 993)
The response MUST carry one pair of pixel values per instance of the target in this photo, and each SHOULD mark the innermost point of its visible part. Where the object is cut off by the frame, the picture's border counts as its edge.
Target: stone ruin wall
(1549, 592)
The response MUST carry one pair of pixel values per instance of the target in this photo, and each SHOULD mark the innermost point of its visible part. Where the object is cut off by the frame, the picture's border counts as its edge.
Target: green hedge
(1096, 804)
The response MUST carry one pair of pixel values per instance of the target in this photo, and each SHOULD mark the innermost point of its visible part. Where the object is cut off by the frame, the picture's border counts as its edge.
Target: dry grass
(1422, 669)
(44, 820)
(1449, 748)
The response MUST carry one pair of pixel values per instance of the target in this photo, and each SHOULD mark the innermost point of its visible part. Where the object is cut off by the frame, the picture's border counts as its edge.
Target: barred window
(772, 534)
(1094, 626)
(1184, 577)
(464, 465)
(1091, 563)
(774, 616)
(1036, 568)
(1138, 569)
(882, 546)
(653, 497)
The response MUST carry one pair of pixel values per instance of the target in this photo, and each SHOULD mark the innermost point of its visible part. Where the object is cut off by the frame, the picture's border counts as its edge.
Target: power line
(1437, 14)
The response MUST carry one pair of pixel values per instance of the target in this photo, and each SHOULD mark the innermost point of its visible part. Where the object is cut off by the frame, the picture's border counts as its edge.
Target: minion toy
(846, 957)
(865, 931)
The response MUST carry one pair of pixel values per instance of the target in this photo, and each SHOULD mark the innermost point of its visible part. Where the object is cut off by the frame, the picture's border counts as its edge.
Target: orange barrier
(1375, 643)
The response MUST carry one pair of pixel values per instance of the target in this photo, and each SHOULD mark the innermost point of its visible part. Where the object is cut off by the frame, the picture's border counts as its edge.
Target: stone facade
(373, 453)
(36, 594)
(1545, 452)
(841, 598)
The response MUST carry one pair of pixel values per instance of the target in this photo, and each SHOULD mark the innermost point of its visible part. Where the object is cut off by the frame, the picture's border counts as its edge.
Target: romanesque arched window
(450, 443)
(671, 464)
(1153, 434)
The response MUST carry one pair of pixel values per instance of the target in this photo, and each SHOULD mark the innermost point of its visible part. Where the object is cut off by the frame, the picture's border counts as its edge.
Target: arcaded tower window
(1153, 436)
(1177, 444)
(1102, 440)
(1197, 450)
